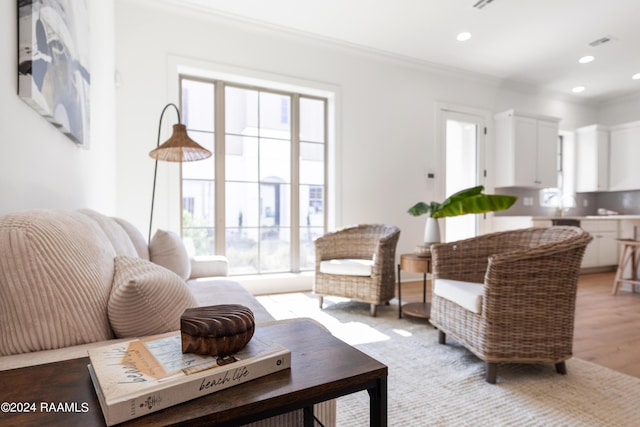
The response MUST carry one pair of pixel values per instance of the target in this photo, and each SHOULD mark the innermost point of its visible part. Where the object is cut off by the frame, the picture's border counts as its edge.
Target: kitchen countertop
(585, 217)
(577, 217)
(628, 225)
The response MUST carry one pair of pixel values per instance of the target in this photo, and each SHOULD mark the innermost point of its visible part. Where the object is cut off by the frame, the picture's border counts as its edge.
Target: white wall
(387, 109)
(620, 111)
(39, 166)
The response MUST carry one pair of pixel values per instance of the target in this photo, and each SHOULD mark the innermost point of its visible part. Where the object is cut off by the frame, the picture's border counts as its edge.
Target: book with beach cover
(141, 376)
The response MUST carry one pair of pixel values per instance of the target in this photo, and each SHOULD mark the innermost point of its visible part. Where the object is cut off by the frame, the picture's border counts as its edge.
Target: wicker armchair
(371, 249)
(525, 308)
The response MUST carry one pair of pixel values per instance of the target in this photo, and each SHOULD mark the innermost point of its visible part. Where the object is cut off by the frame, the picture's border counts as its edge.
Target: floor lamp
(178, 148)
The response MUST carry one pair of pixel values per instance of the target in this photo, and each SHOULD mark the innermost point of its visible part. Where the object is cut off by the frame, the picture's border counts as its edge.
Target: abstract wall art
(53, 62)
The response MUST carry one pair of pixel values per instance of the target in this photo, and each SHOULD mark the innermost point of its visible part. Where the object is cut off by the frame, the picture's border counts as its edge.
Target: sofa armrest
(209, 266)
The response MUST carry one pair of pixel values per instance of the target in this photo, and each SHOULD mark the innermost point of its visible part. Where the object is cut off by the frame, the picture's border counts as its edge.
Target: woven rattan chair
(366, 253)
(525, 308)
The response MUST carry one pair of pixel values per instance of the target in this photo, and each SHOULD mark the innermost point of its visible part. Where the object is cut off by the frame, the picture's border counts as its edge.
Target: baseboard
(600, 269)
(263, 284)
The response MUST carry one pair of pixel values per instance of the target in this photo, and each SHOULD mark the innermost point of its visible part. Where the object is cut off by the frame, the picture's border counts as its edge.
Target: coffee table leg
(307, 416)
(378, 404)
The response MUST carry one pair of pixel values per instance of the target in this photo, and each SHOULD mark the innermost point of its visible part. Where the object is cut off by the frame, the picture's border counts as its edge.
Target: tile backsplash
(623, 202)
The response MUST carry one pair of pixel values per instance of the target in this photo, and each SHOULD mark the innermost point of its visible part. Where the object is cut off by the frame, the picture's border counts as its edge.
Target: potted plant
(467, 201)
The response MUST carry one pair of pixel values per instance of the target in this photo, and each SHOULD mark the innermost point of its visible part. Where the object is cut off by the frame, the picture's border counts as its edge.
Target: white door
(464, 136)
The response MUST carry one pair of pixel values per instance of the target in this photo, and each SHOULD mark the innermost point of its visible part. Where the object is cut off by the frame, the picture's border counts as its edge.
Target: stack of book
(141, 376)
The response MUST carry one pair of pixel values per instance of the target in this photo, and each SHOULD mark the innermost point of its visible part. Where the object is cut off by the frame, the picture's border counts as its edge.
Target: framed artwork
(53, 62)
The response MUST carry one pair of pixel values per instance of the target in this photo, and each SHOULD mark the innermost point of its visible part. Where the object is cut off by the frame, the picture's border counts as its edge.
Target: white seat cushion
(347, 267)
(467, 295)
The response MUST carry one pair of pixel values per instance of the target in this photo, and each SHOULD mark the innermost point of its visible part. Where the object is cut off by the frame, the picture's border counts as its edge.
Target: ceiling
(535, 42)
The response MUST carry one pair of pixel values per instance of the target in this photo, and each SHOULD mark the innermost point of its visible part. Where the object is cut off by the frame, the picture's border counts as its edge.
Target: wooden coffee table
(322, 368)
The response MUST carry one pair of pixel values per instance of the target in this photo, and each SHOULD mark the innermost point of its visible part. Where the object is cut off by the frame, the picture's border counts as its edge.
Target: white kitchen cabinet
(592, 159)
(526, 150)
(603, 249)
(624, 146)
(541, 223)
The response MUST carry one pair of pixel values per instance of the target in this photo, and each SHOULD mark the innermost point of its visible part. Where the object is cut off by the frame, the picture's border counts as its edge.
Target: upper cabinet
(624, 173)
(526, 150)
(592, 159)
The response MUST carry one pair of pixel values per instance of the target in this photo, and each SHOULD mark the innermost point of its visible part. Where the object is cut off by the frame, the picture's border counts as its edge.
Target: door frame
(481, 117)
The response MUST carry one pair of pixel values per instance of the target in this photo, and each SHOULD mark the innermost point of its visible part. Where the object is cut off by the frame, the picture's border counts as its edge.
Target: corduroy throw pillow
(56, 269)
(146, 299)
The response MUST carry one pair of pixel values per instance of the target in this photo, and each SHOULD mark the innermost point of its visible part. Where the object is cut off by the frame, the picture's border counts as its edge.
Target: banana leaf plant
(468, 201)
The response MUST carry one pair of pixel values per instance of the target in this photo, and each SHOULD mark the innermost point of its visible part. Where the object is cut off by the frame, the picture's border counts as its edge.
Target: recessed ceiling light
(586, 59)
(636, 76)
(463, 37)
(578, 89)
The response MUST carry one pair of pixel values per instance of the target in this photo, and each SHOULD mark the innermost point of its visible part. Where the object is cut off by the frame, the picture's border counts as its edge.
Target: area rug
(443, 385)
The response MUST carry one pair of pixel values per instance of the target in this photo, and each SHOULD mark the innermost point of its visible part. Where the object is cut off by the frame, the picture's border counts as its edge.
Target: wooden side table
(414, 264)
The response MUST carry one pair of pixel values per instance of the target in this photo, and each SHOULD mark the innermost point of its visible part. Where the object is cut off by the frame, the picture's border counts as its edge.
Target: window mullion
(219, 179)
(259, 178)
(295, 183)
(325, 193)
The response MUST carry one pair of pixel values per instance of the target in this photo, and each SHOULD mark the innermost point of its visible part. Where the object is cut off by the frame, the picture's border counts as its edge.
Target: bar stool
(628, 257)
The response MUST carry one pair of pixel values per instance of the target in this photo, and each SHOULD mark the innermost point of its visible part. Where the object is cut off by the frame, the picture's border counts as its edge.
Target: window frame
(219, 181)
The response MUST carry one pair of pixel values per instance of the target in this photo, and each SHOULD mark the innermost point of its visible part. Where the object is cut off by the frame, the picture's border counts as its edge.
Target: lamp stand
(179, 148)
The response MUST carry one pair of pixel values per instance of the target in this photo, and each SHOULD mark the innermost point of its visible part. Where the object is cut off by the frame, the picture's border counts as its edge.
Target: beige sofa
(72, 280)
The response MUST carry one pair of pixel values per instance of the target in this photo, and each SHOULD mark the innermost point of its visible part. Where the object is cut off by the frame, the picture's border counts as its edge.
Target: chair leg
(373, 310)
(442, 337)
(492, 372)
(320, 301)
(561, 368)
(625, 256)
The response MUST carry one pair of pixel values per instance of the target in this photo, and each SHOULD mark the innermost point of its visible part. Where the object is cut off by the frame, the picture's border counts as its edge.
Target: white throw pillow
(166, 249)
(146, 299)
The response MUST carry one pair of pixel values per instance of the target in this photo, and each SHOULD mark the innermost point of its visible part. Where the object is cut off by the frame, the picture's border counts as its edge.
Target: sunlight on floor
(355, 333)
(287, 306)
(402, 333)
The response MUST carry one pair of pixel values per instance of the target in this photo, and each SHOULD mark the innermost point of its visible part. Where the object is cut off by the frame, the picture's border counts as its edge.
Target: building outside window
(260, 199)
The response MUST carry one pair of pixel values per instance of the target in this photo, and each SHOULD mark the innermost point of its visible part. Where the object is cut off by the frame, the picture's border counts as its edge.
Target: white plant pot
(431, 232)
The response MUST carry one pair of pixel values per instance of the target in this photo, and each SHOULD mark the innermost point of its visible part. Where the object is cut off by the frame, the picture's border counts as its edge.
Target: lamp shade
(180, 148)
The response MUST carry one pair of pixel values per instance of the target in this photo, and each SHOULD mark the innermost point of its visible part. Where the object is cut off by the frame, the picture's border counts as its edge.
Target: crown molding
(199, 10)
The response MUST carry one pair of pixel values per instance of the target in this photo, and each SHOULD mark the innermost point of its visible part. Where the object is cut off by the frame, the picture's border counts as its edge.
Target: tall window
(260, 200)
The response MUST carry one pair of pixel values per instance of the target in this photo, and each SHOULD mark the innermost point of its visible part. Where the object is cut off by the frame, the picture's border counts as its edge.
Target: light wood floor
(607, 327)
